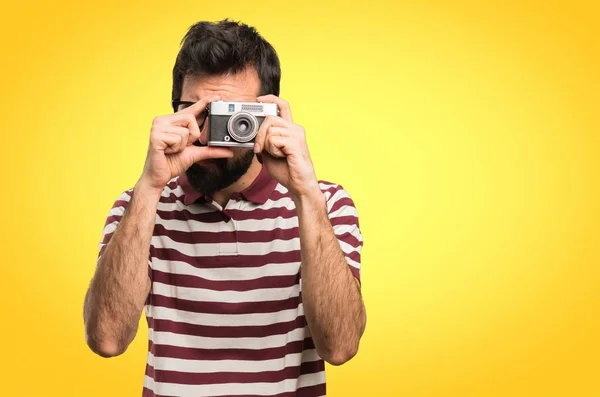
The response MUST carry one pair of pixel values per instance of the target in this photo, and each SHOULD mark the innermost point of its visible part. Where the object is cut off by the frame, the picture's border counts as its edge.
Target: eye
(180, 105)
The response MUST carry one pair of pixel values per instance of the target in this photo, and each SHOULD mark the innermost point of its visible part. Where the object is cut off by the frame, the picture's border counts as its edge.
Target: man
(247, 266)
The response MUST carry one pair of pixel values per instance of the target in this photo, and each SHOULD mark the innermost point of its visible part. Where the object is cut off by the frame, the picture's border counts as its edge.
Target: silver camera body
(235, 124)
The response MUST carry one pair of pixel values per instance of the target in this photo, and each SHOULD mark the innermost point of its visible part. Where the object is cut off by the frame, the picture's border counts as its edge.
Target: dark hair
(215, 48)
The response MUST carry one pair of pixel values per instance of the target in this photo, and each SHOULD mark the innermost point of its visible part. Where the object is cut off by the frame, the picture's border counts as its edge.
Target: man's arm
(331, 295)
(118, 291)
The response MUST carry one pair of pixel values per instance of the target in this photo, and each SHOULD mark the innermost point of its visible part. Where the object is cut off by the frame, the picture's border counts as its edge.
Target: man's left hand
(285, 152)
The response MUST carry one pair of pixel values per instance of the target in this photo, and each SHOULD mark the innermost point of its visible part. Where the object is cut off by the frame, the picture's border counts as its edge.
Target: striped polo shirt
(224, 311)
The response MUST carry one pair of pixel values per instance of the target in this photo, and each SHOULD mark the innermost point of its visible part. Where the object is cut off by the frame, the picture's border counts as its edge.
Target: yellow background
(467, 132)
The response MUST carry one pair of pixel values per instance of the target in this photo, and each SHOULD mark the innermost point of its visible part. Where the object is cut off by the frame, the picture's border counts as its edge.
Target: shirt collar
(258, 192)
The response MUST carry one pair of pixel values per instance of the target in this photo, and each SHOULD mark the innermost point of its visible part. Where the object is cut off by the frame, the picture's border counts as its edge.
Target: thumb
(194, 153)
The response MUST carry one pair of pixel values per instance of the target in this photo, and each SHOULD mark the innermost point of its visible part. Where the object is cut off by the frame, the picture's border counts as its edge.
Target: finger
(200, 106)
(203, 138)
(169, 143)
(186, 120)
(199, 153)
(275, 140)
(284, 106)
(175, 129)
(275, 132)
(268, 122)
(193, 136)
(275, 146)
(259, 139)
(188, 137)
(181, 131)
(278, 131)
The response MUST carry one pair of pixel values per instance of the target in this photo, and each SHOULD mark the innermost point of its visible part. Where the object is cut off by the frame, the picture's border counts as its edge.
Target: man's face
(209, 176)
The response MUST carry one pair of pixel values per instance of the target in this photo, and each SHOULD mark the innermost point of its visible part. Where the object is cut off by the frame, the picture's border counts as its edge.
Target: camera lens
(242, 126)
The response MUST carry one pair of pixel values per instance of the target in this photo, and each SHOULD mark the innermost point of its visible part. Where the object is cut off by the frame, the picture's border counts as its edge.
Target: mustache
(208, 179)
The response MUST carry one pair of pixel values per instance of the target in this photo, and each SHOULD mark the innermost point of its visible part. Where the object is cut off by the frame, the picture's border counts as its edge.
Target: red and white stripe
(225, 308)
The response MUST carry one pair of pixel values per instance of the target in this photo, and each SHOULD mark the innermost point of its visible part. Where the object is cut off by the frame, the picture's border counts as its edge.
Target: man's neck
(223, 196)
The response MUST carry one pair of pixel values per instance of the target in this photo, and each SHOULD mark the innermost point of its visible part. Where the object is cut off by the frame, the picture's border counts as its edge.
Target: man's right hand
(171, 150)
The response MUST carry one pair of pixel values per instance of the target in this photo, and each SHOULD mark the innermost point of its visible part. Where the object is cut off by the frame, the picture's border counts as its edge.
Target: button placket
(228, 247)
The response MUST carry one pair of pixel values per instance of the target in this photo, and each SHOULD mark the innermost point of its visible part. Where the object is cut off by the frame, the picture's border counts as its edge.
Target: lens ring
(233, 123)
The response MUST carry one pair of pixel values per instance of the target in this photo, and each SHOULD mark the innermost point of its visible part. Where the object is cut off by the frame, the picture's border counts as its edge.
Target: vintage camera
(236, 123)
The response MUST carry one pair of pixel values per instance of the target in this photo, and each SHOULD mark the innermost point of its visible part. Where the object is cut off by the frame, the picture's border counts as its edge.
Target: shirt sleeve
(112, 221)
(344, 219)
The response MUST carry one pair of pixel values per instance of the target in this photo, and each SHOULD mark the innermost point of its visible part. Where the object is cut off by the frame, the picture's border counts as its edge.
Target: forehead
(239, 86)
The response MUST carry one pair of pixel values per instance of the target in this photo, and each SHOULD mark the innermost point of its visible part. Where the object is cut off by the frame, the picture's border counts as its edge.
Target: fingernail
(256, 148)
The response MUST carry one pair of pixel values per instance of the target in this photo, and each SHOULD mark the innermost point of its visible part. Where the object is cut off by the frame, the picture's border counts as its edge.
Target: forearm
(118, 291)
(331, 295)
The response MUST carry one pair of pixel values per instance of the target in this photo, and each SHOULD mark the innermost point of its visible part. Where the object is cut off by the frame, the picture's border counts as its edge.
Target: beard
(221, 173)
